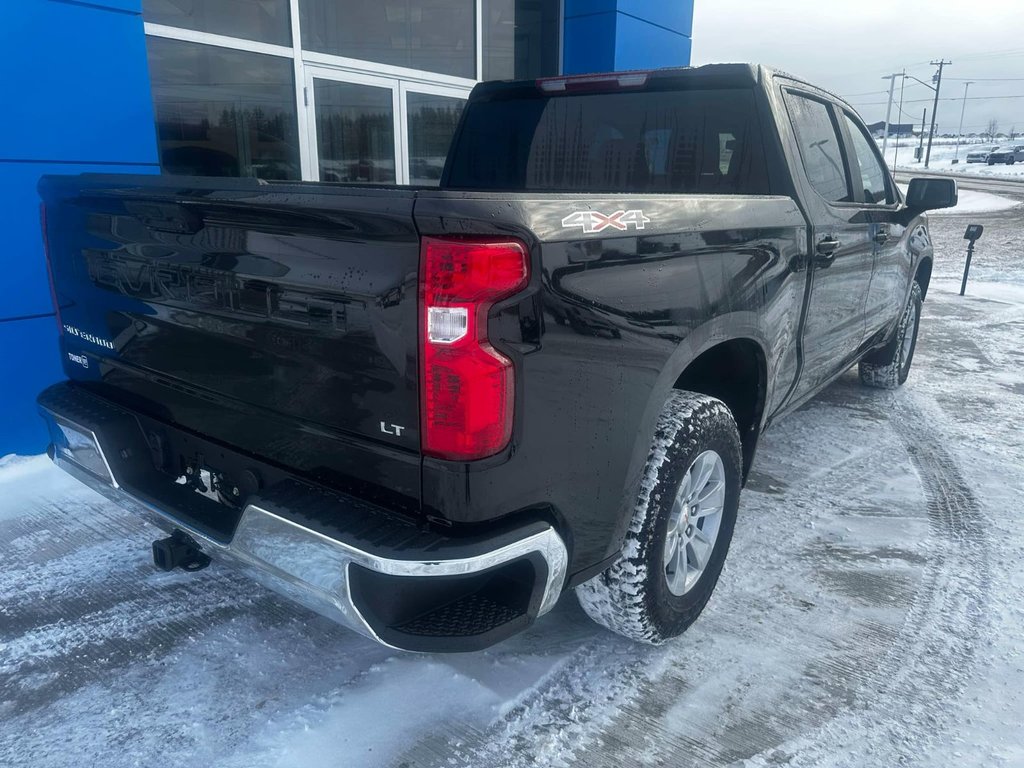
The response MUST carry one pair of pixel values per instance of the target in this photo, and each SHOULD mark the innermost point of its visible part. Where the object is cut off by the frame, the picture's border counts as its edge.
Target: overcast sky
(848, 46)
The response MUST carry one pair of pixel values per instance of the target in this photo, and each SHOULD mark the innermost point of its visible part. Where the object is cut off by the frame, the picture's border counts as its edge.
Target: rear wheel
(889, 367)
(681, 527)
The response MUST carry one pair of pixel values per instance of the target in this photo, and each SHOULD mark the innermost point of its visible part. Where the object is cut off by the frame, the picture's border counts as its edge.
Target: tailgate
(293, 303)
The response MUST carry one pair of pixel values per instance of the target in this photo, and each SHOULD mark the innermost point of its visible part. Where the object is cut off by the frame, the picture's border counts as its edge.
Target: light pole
(960, 131)
(896, 154)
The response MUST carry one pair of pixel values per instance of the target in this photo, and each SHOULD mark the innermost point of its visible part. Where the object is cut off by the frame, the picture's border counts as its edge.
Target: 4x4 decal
(592, 221)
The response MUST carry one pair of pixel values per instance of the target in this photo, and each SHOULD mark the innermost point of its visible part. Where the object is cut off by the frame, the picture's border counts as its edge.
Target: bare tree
(993, 128)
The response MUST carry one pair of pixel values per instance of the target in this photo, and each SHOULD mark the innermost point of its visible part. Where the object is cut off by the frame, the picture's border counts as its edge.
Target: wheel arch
(696, 367)
(923, 273)
(734, 371)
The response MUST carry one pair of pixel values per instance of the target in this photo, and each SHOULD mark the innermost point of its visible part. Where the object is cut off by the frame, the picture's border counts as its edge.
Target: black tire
(889, 367)
(633, 597)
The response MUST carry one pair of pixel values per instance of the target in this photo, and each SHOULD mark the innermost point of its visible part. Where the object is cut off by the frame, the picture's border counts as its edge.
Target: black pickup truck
(427, 413)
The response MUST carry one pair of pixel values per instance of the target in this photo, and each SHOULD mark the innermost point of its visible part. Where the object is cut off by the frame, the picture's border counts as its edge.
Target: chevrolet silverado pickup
(430, 412)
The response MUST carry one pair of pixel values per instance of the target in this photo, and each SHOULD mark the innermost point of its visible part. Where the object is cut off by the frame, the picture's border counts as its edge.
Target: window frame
(304, 61)
(842, 138)
(892, 195)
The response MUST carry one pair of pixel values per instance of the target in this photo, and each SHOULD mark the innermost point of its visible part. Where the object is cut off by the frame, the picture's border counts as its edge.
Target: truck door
(879, 204)
(841, 250)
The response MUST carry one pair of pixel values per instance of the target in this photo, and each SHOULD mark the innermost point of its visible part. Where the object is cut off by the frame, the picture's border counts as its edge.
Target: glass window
(263, 20)
(221, 112)
(431, 35)
(873, 175)
(819, 148)
(520, 39)
(355, 132)
(662, 141)
(432, 123)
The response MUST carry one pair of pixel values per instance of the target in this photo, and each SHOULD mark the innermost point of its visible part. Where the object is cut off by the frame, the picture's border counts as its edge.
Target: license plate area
(210, 484)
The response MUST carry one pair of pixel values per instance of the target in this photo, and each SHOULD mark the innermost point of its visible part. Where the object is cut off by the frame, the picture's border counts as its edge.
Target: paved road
(868, 615)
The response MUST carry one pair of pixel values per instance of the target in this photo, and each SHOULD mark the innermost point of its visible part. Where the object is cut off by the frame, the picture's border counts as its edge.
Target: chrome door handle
(827, 248)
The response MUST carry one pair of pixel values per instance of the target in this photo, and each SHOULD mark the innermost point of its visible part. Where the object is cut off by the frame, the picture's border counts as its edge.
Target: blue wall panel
(31, 362)
(609, 35)
(589, 43)
(77, 73)
(639, 45)
(675, 15)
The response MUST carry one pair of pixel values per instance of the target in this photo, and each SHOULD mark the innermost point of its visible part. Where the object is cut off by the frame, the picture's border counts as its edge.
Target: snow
(869, 612)
(971, 201)
(943, 153)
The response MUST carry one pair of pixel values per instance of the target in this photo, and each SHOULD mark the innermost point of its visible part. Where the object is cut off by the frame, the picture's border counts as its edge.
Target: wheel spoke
(699, 550)
(708, 462)
(709, 490)
(676, 571)
(671, 547)
(685, 487)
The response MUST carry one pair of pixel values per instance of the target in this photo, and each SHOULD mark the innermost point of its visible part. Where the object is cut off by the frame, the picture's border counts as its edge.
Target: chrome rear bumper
(323, 572)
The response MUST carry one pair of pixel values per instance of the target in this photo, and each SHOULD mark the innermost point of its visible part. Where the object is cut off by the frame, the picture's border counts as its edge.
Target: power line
(944, 98)
(866, 93)
(988, 79)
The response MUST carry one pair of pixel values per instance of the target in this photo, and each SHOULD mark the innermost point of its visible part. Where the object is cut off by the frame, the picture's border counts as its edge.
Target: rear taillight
(49, 268)
(467, 388)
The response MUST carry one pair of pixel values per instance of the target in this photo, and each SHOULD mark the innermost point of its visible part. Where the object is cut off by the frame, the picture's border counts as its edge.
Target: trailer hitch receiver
(178, 551)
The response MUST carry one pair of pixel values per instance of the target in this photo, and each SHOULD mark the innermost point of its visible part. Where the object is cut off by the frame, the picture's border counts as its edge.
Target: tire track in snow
(612, 704)
(79, 598)
(899, 697)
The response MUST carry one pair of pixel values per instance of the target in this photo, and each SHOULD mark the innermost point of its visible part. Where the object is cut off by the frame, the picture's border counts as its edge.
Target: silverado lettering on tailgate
(204, 288)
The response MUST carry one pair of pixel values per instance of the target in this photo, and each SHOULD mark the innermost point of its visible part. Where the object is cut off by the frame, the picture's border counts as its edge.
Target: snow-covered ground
(943, 153)
(869, 613)
(970, 201)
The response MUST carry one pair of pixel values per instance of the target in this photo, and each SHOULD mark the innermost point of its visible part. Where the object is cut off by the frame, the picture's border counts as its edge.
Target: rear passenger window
(819, 148)
(684, 141)
(873, 175)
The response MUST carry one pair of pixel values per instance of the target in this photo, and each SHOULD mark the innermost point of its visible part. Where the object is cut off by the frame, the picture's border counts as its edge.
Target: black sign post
(972, 235)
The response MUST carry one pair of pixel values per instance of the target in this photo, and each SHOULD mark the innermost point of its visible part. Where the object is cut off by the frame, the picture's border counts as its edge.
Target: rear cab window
(683, 141)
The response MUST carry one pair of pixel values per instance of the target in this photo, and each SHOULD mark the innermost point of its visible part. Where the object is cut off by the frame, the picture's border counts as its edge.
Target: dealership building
(345, 91)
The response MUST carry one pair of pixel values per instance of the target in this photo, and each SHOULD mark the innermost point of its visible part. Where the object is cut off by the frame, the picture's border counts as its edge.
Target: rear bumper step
(380, 574)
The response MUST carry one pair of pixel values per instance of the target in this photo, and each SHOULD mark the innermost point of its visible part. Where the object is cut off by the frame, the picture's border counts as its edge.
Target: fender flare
(734, 326)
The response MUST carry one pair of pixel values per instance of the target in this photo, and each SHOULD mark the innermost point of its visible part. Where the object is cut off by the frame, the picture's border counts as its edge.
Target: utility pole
(960, 130)
(888, 109)
(938, 85)
(924, 126)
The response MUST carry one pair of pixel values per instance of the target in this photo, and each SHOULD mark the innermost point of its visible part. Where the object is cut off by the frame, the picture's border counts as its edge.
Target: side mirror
(931, 194)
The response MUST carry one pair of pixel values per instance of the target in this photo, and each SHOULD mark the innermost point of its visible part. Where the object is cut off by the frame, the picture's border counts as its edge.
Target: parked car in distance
(980, 155)
(429, 412)
(1009, 156)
